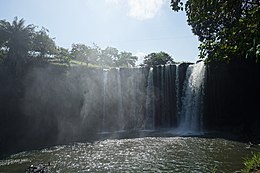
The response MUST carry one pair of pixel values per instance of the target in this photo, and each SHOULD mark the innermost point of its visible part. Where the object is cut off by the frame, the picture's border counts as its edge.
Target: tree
(108, 56)
(160, 58)
(126, 59)
(81, 52)
(63, 55)
(227, 30)
(16, 39)
(43, 45)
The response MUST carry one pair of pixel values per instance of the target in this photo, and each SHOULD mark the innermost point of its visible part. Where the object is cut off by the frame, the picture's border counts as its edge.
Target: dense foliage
(160, 58)
(16, 40)
(252, 164)
(20, 44)
(227, 30)
(109, 57)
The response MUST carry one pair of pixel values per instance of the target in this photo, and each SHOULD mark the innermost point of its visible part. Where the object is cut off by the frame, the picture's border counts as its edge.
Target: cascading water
(141, 96)
(172, 96)
(169, 93)
(192, 99)
(136, 99)
(163, 99)
(138, 93)
(177, 91)
(124, 96)
(150, 105)
(104, 116)
(120, 112)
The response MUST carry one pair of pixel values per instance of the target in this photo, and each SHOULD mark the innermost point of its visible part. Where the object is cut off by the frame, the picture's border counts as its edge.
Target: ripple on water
(150, 154)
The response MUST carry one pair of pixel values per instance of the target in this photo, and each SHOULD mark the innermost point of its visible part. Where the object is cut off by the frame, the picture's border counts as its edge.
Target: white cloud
(113, 2)
(138, 9)
(144, 9)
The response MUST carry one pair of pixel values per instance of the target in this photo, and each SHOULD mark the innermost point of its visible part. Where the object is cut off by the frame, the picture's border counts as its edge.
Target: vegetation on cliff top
(228, 30)
(21, 44)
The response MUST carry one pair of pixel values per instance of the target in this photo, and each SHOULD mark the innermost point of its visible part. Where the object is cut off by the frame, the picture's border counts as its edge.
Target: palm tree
(17, 39)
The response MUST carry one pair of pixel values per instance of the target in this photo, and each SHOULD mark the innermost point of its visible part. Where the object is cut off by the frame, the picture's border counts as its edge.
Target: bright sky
(137, 26)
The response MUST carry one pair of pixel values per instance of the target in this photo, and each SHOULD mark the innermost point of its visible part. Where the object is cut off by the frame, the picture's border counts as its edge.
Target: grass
(214, 169)
(77, 63)
(252, 164)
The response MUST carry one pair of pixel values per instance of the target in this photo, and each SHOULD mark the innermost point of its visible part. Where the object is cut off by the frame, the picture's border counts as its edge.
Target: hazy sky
(137, 26)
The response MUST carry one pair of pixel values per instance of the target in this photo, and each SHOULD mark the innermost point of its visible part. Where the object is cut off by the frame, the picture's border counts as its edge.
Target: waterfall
(139, 98)
(162, 95)
(150, 105)
(159, 97)
(192, 99)
(104, 116)
(137, 95)
(134, 106)
(120, 110)
(177, 96)
(169, 97)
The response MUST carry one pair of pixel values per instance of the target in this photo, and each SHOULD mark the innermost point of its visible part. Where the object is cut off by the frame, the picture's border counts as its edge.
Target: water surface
(148, 154)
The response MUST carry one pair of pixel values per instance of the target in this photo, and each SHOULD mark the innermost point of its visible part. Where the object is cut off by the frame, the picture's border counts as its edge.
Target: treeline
(20, 43)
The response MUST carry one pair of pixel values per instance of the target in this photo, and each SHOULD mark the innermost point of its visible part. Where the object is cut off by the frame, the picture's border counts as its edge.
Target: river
(144, 154)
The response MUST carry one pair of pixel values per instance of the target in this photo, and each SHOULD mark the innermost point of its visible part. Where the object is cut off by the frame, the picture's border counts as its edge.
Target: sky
(137, 26)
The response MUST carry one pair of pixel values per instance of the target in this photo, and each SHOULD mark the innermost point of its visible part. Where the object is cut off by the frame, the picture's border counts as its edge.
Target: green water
(149, 154)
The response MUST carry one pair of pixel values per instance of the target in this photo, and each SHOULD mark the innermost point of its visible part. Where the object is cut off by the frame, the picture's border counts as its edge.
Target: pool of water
(147, 154)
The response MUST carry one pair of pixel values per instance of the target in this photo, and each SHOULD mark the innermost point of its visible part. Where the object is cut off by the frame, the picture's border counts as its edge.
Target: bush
(252, 164)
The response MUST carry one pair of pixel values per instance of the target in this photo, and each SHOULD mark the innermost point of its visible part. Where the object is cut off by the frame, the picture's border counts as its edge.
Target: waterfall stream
(192, 99)
(150, 105)
(177, 90)
(104, 116)
(170, 118)
(121, 120)
(157, 97)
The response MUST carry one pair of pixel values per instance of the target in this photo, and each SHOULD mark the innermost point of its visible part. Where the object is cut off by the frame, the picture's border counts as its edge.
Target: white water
(150, 105)
(122, 100)
(137, 115)
(163, 95)
(122, 94)
(104, 116)
(120, 112)
(177, 94)
(192, 99)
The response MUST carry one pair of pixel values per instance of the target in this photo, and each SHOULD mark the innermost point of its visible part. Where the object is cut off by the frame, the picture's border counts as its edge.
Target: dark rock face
(42, 107)
(165, 96)
(232, 99)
